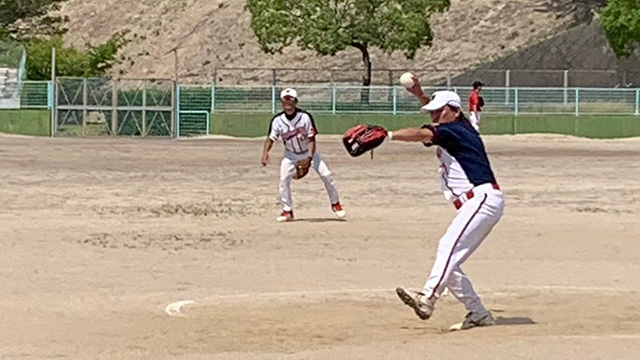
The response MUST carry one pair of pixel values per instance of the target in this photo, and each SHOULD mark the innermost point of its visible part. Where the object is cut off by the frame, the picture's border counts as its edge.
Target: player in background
(298, 132)
(476, 102)
(467, 180)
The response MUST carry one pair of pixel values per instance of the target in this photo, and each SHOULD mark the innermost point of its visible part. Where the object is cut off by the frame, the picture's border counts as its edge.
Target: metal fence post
(177, 102)
(50, 105)
(85, 100)
(208, 123)
(507, 83)
(566, 85)
(273, 99)
(213, 98)
(333, 100)
(49, 95)
(54, 103)
(448, 80)
(577, 102)
(174, 108)
(637, 101)
(144, 109)
(114, 108)
(514, 121)
(395, 100)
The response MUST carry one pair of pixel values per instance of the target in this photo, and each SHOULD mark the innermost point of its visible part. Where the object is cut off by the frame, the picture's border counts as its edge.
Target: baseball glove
(302, 168)
(362, 138)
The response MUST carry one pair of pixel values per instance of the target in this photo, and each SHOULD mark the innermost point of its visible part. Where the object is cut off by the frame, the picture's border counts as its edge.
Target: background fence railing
(26, 95)
(162, 107)
(99, 106)
(396, 100)
(196, 103)
(433, 76)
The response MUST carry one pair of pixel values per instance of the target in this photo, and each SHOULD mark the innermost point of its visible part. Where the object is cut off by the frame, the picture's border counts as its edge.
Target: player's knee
(286, 182)
(325, 175)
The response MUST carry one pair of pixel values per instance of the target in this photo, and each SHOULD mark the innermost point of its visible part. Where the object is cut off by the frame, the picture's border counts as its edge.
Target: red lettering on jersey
(294, 133)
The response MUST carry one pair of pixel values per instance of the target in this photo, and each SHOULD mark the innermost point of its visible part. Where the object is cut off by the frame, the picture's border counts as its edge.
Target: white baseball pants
(288, 169)
(474, 221)
(475, 120)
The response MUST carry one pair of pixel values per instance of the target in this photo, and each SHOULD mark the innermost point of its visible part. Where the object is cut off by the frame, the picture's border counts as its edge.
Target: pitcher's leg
(473, 223)
(477, 315)
(460, 286)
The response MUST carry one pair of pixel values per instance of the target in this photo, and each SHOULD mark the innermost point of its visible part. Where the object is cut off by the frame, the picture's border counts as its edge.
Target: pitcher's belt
(470, 194)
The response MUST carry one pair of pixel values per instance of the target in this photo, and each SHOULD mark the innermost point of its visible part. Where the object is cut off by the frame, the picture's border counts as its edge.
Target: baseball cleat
(417, 301)
(285, 216)
(338, 210)
(474, 319)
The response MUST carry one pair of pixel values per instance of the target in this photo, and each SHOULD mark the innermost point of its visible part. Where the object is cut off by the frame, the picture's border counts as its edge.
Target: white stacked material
(9, 88)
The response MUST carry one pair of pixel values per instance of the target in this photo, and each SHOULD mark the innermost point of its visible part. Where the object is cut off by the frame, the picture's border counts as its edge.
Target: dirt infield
(99, 236)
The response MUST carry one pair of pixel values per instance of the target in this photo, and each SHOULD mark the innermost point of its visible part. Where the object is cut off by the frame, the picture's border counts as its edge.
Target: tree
(621, 24)
(19, 18)
(330, 26)
(31, 23)
(95, 61)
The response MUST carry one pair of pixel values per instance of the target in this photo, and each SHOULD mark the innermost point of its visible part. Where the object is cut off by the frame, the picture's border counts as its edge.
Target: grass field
(36, 122)
(26, 122)
(252, 125)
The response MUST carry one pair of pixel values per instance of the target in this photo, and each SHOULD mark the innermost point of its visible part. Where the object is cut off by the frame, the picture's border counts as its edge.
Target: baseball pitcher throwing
(468, 183)
(298, 132)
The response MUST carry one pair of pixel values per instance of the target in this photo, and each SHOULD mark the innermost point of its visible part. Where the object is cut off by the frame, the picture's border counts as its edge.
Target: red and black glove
(362, 138)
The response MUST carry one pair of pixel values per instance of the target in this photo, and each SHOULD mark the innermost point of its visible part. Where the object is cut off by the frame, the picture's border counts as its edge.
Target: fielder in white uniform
(469, 184)
(298, 132)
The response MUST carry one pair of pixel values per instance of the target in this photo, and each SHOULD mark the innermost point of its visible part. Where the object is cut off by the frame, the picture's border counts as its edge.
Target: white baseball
(406, 80)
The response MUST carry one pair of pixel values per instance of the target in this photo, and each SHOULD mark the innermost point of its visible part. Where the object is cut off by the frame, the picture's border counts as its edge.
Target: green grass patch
(253, 125)
(26, 122)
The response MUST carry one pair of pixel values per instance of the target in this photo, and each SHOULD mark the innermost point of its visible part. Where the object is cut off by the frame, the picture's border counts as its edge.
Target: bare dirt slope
(217, 33)
(100, 235)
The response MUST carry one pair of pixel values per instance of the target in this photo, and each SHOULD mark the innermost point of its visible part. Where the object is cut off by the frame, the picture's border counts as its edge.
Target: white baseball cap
(289, 92)
(441, 98)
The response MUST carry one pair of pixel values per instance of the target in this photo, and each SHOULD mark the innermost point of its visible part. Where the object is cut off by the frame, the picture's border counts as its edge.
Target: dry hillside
(212, 34)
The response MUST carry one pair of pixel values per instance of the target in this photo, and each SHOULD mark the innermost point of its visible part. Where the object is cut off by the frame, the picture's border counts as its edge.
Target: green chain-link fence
(147, 107)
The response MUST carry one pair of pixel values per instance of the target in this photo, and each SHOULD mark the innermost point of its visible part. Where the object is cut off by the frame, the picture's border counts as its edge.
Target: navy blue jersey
(463, 158)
